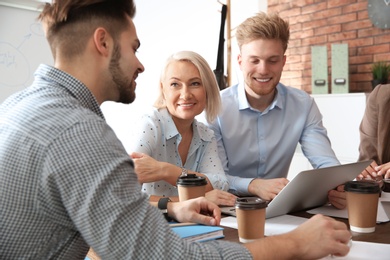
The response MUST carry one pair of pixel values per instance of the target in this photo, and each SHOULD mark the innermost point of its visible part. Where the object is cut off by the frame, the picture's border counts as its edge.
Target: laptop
(309, 189)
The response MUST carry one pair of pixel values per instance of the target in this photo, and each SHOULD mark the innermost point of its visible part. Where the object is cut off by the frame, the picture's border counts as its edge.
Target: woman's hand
(221, 198)
(369, 173)
(383, 170)
(146, 168)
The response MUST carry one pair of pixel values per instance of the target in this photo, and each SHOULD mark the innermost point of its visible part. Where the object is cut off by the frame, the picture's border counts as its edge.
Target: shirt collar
(72, 85)
(170, 127)
(279, 100)
(200, 130)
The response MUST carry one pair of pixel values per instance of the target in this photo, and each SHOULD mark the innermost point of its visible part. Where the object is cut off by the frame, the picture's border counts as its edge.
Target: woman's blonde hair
(213, 99)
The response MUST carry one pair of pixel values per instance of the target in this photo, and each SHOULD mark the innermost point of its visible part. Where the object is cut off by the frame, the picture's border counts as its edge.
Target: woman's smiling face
(183, 91)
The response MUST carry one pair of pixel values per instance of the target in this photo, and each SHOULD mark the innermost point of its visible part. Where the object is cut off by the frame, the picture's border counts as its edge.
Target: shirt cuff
(239, 186)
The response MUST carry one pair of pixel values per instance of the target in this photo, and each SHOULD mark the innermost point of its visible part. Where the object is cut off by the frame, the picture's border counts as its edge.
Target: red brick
(297, 66)
(363, 87)
(356, 7)
(382, 57)
(306, 65)
(342, 19)
(361, 77)
(302, 34)
(360, 42)
(333, 3)
(367, 32)
(293, 59)
(356, 25)
(352, 51)
(306, 81)
(314, 8)
(385, 38)
(300, 50)
(294, 43)
(273, 2)
(292, 74)
(362, 15)
(291, 12)
(284, 2)
(307, 73)
(304, 18)
(352, 69)
(300, 3)
(314, 24)
(325, 14)
(297, 27)
(278, 8)
(315, 40)
(363, 68)
(342, 36)
(327, 29)
(306, 57)
(361, 59)
(373, 49)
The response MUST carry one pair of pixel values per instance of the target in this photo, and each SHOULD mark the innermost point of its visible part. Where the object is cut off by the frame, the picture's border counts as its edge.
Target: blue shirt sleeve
(261, 144)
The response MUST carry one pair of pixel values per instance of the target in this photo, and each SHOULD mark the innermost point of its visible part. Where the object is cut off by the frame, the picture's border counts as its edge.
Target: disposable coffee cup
(250, 213)
(191, 186)
(362, 204)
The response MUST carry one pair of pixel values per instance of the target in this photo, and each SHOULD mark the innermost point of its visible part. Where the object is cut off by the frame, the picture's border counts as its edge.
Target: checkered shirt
(67, 183)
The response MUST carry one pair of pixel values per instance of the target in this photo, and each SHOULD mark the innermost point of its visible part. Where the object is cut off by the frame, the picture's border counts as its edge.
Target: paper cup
(191, 186)
(250, 213)
(362, 204)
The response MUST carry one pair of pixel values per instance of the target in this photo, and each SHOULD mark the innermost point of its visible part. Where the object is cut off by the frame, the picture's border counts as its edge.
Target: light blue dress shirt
(158, 137)
(254, 144)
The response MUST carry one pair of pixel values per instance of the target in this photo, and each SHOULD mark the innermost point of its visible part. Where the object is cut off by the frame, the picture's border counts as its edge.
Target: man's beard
(123, 84)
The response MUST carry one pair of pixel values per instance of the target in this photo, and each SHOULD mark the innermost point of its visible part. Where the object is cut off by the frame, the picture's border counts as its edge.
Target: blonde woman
(171, 141)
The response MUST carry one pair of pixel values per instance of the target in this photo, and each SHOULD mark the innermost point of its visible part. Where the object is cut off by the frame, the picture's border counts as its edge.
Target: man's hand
(199, 210)
(221, 197)
(321, 236)
(338, 197)
(267, 189)
(318, 237)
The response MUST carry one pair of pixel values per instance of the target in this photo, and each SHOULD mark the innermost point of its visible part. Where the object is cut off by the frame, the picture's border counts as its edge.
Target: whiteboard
(23, 47)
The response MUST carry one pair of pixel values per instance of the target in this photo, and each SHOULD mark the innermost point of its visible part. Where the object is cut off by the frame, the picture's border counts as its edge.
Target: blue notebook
(198, 232)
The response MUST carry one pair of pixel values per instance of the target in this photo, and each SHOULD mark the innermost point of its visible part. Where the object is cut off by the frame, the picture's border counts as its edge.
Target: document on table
(273, 226)
(329, 210)
(282, 224)
(365, 250)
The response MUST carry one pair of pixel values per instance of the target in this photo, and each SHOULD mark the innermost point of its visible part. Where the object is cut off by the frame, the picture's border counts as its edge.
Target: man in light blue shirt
(262, 121)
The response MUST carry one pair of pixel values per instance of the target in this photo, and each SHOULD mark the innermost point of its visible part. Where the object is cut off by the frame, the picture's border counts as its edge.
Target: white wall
(163, 27)
(342, 114)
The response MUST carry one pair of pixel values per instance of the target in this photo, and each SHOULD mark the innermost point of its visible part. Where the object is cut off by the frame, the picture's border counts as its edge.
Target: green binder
(319, 68)
(340, 68)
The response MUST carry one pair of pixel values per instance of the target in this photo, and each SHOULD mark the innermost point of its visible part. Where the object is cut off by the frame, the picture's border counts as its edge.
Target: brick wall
(324, 22)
